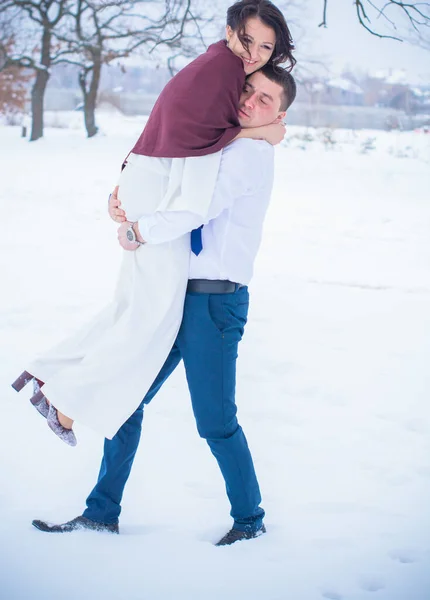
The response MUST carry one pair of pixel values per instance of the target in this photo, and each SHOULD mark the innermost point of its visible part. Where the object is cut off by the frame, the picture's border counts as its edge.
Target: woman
(100, 375)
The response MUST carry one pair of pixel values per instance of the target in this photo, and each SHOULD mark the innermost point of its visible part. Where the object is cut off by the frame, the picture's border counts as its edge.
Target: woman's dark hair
(240, 12)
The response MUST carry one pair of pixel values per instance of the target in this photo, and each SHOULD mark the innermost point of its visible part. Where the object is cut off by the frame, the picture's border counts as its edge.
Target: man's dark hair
(240, 12)
(283, 78)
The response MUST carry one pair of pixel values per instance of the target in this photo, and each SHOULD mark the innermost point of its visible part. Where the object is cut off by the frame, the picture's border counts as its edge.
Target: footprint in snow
(371, 584)
(405, 557)
(416, 426)
(424, 471)
(331, 595)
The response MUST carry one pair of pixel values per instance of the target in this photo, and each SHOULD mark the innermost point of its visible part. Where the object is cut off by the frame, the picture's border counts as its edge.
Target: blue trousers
(207, 342)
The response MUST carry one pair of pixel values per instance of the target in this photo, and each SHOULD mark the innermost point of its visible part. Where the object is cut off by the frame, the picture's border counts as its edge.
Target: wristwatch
(131, 235)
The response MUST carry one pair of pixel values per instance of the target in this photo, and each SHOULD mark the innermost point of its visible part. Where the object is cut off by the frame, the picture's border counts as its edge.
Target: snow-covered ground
(333, 384)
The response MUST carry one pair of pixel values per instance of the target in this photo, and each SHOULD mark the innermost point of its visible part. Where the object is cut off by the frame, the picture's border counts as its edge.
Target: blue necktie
(196, 240)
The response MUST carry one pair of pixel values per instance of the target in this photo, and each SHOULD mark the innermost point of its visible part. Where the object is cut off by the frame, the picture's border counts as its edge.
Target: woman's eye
(269, 48)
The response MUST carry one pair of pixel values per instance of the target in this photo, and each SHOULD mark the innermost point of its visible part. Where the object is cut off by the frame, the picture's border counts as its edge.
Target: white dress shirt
(233, 226)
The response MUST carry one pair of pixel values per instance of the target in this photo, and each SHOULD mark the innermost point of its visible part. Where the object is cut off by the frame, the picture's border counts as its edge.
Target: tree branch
(324, 21)
(417, 14)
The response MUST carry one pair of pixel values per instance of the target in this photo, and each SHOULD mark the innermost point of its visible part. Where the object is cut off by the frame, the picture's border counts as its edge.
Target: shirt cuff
(162, 227)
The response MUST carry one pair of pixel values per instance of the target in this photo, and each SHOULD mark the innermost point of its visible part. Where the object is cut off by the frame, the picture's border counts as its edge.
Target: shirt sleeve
(241, 173)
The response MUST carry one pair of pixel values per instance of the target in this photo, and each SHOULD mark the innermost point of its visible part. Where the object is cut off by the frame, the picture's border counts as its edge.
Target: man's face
(260, 102)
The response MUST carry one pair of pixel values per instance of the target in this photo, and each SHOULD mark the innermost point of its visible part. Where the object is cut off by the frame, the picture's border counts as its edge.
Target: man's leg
(211, 329)
(104, 502)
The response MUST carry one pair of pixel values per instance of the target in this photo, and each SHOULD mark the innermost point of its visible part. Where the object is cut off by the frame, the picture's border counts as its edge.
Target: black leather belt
(212, 286)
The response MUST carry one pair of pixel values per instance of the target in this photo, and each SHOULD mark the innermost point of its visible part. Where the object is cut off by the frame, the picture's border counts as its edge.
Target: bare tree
(13, 82)
(421, 40)
(42, 17)
(88, 33)
(394, 14)
(101, 32)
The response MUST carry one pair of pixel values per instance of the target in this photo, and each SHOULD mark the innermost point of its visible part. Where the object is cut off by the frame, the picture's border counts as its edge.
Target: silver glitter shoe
(23, 379)
(43, 406)
(64, 434)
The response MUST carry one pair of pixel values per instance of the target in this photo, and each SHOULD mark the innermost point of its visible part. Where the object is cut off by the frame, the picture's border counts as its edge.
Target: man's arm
(241, 171)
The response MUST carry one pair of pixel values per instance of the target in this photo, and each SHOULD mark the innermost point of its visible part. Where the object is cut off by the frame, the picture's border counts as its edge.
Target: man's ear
(280, 117)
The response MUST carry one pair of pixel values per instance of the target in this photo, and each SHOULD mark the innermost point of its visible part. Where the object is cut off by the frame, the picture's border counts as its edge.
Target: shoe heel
(22, 381)
(37, 398)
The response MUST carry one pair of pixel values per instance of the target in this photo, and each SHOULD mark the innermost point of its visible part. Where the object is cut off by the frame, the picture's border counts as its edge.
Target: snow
(333, 384)
(345, 84)
(392, 76)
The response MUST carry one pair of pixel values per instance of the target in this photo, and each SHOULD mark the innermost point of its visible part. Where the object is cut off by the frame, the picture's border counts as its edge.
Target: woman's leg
(64, 421)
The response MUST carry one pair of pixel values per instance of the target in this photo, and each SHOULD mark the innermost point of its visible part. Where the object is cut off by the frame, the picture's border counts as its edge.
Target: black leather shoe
(236, 535)
(76, 524)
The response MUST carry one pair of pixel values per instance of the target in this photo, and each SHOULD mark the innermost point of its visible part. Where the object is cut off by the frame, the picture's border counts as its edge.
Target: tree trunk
(37, 99)
(39, 87)
(90, 97)
(89, 116)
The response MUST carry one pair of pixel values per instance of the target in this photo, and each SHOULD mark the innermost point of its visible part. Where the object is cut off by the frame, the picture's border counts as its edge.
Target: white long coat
(100, 375)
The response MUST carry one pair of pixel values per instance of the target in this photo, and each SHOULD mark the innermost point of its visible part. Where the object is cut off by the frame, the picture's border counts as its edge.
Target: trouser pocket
(229, 312)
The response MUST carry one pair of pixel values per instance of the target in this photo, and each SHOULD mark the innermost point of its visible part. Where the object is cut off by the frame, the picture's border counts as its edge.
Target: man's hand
(115, 212)
(122, 237)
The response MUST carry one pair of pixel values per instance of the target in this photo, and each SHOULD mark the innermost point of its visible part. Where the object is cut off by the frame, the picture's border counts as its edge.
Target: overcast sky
(345, 42)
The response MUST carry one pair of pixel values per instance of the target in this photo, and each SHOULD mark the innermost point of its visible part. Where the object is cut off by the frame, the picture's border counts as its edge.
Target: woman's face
(261, 43)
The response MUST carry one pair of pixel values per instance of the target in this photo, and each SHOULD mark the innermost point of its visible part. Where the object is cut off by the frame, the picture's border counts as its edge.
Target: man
(215, 313)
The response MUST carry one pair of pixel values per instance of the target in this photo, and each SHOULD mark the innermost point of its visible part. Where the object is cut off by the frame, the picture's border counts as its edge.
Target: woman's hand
(274, 133)
(115, 212)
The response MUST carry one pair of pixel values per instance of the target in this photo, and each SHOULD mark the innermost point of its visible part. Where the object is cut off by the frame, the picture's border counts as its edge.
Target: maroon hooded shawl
(196, 113)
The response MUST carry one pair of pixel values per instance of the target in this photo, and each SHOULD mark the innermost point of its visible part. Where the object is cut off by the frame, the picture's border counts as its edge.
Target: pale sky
(345, 42)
